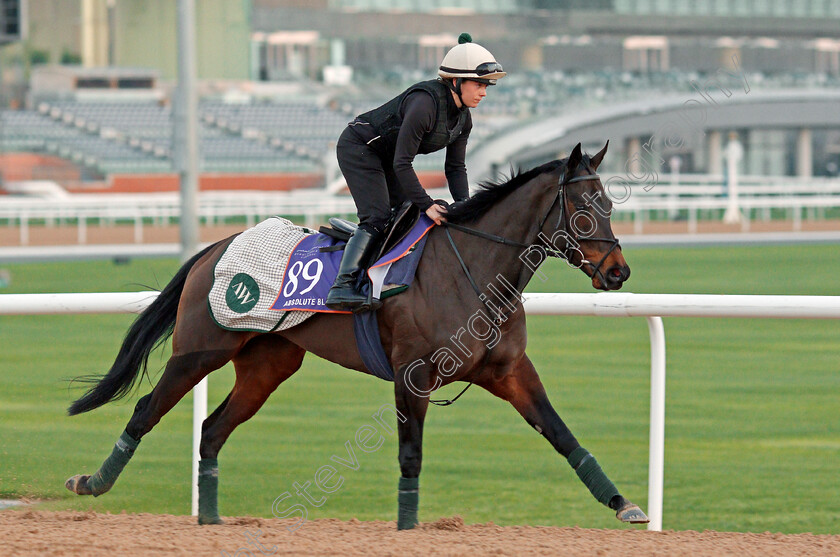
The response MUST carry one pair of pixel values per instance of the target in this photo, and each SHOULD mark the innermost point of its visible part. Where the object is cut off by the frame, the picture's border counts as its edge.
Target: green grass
(752, 434)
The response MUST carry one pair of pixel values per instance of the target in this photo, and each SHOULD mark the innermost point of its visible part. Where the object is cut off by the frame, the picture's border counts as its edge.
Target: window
(135, 83)
(93, 83)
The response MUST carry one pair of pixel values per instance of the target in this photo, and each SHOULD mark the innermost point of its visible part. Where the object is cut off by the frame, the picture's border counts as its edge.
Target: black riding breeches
(372, 183)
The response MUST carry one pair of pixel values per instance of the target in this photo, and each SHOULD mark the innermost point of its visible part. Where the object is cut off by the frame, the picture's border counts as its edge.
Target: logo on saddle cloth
(242, 293)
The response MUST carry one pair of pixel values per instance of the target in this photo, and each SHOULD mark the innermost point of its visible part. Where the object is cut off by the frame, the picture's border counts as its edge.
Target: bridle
(572, 236)
(564, 224)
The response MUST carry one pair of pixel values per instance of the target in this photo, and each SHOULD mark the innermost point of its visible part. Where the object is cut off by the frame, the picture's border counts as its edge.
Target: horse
(503, 232)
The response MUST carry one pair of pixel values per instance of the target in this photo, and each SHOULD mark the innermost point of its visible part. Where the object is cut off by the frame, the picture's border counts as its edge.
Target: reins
(551, 251)
(485, 235)
(497, 317)
(448, 402)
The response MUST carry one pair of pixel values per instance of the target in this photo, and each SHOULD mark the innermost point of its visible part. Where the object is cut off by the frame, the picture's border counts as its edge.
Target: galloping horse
(559, 208)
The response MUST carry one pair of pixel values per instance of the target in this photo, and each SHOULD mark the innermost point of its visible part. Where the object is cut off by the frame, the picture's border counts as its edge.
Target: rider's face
(472, 92)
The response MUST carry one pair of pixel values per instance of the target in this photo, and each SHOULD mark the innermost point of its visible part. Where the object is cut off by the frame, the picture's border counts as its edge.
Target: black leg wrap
(590, 473)
(104, 478)
(208, 491)
(408, 500)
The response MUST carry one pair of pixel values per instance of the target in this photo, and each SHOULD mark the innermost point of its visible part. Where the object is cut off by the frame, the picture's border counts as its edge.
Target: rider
(376, 151)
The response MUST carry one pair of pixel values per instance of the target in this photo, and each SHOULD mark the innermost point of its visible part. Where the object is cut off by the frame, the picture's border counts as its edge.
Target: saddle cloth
(275, 275)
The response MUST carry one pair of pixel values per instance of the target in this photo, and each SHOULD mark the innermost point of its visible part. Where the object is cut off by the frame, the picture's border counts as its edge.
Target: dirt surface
(26, 532)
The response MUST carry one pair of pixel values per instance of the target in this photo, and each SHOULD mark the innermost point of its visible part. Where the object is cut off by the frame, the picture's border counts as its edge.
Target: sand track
(66, 533)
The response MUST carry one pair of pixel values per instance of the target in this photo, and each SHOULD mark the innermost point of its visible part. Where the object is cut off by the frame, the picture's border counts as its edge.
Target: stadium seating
(299, 135)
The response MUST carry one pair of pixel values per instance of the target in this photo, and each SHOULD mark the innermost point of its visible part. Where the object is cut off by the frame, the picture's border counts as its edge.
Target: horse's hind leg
(524, 390)
(261, 366)
(182, 373)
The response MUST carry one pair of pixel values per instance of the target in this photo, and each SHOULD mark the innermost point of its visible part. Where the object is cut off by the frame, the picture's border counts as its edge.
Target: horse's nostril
(615, 275)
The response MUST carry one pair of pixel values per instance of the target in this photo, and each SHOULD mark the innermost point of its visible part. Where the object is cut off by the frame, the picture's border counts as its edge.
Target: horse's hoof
(79, 485)
(202, 520)
(632, 513)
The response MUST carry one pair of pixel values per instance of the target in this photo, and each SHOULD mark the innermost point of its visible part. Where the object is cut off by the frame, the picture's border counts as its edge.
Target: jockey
(376, 151)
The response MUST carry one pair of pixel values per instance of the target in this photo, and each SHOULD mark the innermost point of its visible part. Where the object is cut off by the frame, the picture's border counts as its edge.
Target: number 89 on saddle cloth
(313, 266)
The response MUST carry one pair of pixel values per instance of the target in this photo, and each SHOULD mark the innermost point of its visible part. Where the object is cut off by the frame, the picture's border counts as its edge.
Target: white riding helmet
(468, 60)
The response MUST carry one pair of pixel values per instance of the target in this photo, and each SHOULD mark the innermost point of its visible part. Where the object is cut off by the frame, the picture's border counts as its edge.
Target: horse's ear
(575, 158)
(595, 161)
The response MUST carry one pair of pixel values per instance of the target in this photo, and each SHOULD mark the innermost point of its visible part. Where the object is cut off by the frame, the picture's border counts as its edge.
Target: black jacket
(422, 119)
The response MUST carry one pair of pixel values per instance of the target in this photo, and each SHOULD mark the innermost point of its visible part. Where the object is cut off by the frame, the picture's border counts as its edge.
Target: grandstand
(84, 116)
(257, 135)
(116, 138)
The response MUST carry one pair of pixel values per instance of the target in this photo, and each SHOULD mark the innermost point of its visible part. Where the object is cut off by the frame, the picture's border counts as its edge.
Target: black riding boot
(357, 253)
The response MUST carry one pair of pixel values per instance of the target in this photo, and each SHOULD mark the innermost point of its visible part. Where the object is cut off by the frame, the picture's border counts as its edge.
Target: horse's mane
(491, 192)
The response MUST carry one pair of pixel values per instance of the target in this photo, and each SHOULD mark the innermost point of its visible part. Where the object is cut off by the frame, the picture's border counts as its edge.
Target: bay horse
(559, 208)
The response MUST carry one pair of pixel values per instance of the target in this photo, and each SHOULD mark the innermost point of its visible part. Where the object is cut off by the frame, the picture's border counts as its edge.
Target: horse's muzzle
(614, 277)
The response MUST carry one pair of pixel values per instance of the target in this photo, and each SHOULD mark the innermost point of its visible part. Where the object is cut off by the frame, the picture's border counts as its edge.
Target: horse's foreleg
(261, 366)
(524, 390)
(412, 404)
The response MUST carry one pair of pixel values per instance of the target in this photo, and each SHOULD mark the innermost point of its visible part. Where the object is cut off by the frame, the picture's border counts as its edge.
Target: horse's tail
(149, 330)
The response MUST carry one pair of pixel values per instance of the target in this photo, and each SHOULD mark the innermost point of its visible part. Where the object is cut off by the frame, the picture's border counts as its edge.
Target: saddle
(402, 220)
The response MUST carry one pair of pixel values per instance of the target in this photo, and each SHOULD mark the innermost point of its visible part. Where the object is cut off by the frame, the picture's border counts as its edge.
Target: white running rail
(607, 304)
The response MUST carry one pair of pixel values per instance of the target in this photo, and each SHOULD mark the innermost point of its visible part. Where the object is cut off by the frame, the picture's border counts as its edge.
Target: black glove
(458, 204)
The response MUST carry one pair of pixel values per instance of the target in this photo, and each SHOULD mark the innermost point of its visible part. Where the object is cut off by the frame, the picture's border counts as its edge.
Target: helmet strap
(456, 88)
